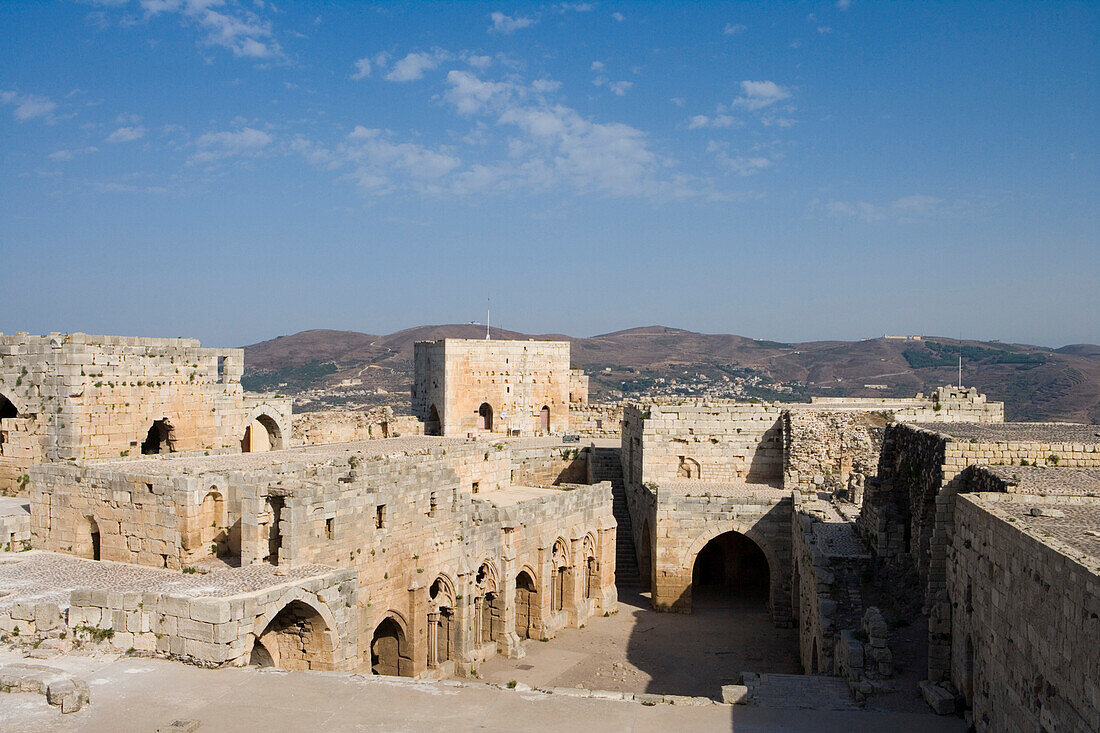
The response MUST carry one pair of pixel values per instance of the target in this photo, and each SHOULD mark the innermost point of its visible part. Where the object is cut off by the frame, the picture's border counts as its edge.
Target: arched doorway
(591, 569)
(160, 438)
(527, 604)
(485, 417)
(296, 639)
(730, 569)
(7, 411)
(688, 468)
(544, 419)
(262, 434)
(388, 652)
(433, 426)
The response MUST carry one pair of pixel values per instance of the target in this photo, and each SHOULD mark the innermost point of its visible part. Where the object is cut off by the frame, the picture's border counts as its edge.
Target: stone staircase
(605, 464)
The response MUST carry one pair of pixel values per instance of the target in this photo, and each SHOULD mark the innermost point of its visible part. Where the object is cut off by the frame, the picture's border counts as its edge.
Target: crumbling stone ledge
(61, 689)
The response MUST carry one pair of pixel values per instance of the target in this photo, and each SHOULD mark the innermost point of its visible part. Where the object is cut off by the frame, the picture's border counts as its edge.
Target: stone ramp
(797, 692)
(606, 465)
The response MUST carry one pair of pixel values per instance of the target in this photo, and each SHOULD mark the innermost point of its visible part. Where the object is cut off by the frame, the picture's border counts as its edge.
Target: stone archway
(731, 567)
(297, 638)
(88, 545)
(433, 426)
(485, 417)
(262, 434)
(527, 604)
(559, 586)
(544, 419)
(441, 622)
(389, 653)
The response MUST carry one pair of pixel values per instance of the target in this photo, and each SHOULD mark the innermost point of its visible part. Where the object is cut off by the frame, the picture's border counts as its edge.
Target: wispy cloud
(619, 88)
(231, 143)
(843, 4)
(905, 209)
(361, 69)
(719, 121)
(732, 29)
(66, 155)
(29, 106)
(126, 134)
(575, 7)
(741, 165)
(507, 24)
(760, 94)
(238, 29)
(413, 66)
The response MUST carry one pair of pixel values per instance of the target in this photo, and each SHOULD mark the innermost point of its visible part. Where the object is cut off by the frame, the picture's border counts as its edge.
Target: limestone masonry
(917, 546)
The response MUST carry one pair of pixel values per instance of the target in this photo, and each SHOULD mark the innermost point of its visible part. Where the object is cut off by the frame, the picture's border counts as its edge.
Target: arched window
(544, 419)
(262, 434)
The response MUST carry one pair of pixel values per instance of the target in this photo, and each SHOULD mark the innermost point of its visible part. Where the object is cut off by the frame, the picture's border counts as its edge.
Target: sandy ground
(640, 650)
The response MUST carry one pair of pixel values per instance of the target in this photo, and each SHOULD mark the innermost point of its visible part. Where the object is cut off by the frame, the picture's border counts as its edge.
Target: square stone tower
(464, 386)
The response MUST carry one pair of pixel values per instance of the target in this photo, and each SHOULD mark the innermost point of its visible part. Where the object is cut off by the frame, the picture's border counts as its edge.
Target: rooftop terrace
(1019, 432)
(1069, 524)
(1050, 480)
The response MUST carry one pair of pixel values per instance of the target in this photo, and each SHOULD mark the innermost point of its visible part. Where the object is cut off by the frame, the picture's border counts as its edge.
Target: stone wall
(596, 420)
(1023, 627)
(345, 426)
(549, 466)
(822, 450)
(946, 404)
(216, 631)
(578, 387)
(410, 518)
(514, 379)
(83, 397)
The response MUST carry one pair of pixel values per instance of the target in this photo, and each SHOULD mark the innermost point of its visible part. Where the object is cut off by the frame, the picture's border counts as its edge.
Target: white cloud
(678, 101)
(596, 66)
(506, 24)
(217, 145)
(824, 30)
(128, 119)
(241, 31)
(759, 94)
(64, 155)
(469, 94)
(29, 106)
(617, 87)
(620, 87)
(906, 209)
(618, 17)
(741, 165)
(732, 29)
(478, 62)
(362, 69)
(126, 134)
(718, 121)
(576, 7)
(843, 4)
(413, 66)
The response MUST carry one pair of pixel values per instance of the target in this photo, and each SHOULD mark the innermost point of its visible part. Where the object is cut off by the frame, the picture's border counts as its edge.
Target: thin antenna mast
(960, 370)
(487, 319)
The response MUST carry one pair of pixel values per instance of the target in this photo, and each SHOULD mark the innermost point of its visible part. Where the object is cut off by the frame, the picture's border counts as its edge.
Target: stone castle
(425, 547)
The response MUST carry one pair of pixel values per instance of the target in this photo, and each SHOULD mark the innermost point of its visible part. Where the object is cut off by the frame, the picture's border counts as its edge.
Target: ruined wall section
(549, 466)
(83, 397)
(946, 404)
(1024, 630)
(343, 426)
(578, 387)
(822, 450)
(595, 420)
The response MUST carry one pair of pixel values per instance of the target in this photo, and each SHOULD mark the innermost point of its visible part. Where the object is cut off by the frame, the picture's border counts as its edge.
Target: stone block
(735, 694)
(940, 700)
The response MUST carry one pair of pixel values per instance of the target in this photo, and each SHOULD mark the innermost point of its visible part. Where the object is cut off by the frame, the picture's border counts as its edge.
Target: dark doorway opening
(731, 567)
(160, 439)
(485, 417)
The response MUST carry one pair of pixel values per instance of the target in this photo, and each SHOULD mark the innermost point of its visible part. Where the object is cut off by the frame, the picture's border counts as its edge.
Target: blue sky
(235, 171)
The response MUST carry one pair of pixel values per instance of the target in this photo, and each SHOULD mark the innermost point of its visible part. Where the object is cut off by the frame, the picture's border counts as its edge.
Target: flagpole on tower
(487, 319)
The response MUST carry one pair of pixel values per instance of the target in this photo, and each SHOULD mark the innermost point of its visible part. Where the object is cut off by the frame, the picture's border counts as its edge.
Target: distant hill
(1036, 383)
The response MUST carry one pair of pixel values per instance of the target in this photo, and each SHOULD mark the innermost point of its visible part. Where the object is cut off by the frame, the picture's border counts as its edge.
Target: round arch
(8, 410)
(442, 591)
(389, 647)
(485, 417)
(775, 584)
(486, 577)
(261, 433)
(297, 637)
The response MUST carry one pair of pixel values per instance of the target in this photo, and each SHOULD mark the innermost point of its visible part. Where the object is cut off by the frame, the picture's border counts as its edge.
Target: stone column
(417, 633)
(509, 642)
(608, 592)
(464, 624)
(573, 592)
